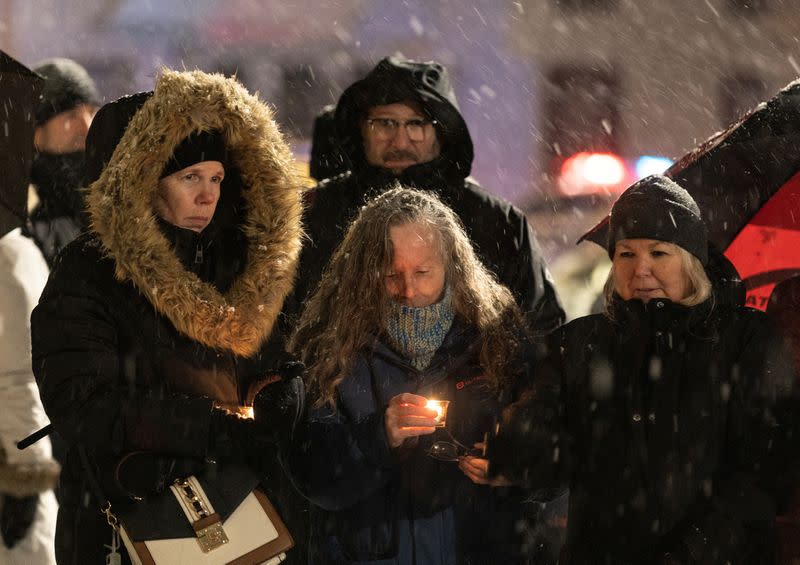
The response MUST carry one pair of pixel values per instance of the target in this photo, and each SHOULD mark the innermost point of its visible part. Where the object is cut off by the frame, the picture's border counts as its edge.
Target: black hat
(197, 147)
(656, 207)
(66, 85)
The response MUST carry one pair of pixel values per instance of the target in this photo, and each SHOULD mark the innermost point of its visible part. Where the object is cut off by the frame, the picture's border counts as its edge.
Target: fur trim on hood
(120, 204)
(27, 479)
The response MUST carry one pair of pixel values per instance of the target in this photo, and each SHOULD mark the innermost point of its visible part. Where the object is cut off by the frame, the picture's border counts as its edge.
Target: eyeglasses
(386, 128)
(452, 450)
(446, 451)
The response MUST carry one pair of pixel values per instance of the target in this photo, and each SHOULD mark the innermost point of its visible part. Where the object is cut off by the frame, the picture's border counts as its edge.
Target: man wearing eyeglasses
(398, 136)
(401, 122)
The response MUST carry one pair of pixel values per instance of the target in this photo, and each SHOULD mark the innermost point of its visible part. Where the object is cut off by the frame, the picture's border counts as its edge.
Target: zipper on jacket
(198, 254)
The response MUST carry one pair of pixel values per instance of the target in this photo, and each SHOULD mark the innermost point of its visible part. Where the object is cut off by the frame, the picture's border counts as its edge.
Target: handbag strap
(96, 490)
(94, 483)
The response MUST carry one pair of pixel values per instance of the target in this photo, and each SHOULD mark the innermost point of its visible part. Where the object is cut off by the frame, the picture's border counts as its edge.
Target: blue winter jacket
(374, 505)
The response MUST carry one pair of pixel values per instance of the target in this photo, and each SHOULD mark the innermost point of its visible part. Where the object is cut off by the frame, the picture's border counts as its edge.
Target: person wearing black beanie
(190, 188)
(668, 416)
(67, 105)
(67, 85)
(657, 207)
(196, 148)
(658, 244)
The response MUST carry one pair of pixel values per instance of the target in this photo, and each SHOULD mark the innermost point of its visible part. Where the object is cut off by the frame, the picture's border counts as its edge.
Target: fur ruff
(29, 479)
(120, 205)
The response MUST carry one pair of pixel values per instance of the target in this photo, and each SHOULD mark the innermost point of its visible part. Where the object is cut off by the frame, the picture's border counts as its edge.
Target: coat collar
(637, 319)
(122, 216)
(461, 339)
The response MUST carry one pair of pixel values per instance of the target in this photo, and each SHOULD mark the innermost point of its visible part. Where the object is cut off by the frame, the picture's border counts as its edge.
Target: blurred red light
(590, 173)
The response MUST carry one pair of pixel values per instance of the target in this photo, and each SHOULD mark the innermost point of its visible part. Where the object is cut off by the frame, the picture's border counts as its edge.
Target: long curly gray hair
(348, 310)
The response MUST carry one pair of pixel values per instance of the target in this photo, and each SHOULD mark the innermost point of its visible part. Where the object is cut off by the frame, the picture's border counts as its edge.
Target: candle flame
(436, 405)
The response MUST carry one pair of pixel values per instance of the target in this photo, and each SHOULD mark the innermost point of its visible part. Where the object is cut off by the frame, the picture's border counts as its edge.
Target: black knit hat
(66, 85)
(656, 207)
(197, 147)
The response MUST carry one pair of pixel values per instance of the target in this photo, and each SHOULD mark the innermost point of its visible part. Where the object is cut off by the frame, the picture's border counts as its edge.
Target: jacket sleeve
(78, 367)
(759, 460)
(341, 456)
(532, 444)
(329, 468)
(33, 470)
(534, 287)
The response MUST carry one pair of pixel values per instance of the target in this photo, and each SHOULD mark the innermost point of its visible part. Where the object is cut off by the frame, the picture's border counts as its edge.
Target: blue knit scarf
(416, 333)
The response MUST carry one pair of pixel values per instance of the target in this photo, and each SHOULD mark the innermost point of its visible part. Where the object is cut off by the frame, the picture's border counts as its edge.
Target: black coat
(666, 422)
(375, 505)
(59, 217)
(145, 330)
(502, 236)
(118, 379)
(52, 234)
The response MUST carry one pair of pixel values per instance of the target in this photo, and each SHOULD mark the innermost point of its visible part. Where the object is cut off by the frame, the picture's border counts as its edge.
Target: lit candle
(440, 406)
(434, 405)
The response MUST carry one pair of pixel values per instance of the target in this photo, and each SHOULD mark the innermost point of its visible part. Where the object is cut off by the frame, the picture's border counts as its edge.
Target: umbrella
(746, 181)
(19, 93)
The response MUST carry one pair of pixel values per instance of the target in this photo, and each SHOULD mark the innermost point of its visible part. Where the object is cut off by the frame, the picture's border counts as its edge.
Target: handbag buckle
(211, 537)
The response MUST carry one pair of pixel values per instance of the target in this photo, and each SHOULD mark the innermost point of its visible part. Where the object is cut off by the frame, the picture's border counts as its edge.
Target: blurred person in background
(65, 111)
(671, 415)
(27, 504)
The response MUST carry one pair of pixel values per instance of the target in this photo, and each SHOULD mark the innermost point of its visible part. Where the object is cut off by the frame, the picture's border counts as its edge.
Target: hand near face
(407, 417)
(477, 470)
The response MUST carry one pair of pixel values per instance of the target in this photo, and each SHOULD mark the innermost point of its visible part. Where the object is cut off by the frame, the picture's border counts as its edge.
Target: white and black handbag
(223, 518)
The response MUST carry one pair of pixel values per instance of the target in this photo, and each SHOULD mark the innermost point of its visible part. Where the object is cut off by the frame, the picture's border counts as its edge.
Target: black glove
(230, 434)
(279, 407)
(16, 518)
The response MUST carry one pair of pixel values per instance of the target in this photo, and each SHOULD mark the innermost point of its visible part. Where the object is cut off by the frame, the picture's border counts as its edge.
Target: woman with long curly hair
(406, 314)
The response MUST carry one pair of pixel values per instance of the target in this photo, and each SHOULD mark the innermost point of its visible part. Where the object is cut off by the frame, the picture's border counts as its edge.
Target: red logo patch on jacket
(466, 382)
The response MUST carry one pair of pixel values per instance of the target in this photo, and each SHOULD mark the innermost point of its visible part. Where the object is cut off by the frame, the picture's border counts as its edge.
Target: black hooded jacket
(59, 217)
(145, 330)
(671, 425)
(500, 232)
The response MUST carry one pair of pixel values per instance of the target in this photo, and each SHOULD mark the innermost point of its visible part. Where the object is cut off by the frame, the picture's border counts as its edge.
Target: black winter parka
(671, 426)
(145, 330)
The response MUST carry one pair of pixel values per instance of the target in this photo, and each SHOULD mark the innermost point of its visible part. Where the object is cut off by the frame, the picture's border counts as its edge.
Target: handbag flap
(161, 517)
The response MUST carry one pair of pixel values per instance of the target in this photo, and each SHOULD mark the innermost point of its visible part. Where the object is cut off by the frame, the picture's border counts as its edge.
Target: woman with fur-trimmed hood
(153, 325)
